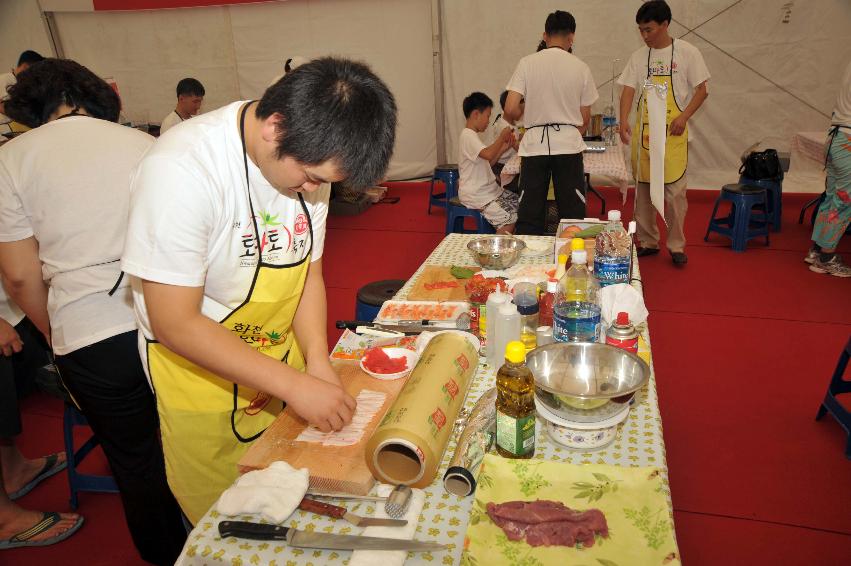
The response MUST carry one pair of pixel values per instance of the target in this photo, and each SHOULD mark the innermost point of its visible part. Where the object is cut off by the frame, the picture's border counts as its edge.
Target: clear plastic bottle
(506, 329)
(547, 302)
(526, 299)
(612, 252)
(576, 315)
(561, 266)
(515, 405)
(491, 307)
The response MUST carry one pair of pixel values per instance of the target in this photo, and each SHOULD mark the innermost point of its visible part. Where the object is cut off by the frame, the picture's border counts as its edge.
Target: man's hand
(678, 125)
(325, 406)
(625, 133)
(10, 342)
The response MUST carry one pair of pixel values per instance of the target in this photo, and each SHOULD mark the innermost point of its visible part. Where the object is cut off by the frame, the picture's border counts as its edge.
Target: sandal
(48, 520)
(50, 468)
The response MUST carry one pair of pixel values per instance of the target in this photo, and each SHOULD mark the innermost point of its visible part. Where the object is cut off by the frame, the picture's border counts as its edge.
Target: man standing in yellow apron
(225, 241)
(677, 70)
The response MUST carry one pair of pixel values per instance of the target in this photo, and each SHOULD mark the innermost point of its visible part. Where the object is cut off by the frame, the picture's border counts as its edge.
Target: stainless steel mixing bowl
(496, 252)
(586, 382)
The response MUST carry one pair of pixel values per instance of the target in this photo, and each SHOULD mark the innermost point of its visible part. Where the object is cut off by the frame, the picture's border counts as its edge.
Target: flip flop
(50, 468)
(48, 520)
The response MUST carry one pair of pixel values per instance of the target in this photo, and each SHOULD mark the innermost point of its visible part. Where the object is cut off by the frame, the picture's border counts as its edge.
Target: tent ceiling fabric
(775, 64)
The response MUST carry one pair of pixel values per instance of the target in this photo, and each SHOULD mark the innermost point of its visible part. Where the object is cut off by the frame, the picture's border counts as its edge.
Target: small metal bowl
(586, 382)
(496, 252)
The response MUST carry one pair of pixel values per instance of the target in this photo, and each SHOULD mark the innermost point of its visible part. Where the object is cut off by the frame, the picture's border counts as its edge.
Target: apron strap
(117, 283)
(546, 131)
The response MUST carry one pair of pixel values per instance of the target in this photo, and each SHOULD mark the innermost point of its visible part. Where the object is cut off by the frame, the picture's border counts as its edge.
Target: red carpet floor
(743, 345)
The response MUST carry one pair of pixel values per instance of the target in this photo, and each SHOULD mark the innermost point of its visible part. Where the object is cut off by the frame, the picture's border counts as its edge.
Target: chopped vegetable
(461, 272)
(590, 232)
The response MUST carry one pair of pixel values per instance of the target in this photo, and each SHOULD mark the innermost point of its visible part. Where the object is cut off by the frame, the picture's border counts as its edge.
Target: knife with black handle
(325, 541)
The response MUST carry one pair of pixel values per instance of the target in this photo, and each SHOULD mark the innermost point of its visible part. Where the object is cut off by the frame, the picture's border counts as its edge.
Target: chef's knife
(304, 539)
(322, 508)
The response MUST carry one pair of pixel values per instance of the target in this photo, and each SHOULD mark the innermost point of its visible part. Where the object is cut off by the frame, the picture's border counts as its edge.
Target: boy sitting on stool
(478, 188)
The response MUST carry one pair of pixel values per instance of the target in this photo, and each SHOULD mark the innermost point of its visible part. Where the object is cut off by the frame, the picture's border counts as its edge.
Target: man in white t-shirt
(26, 59)
(477, 186)
(496, 127)
(64, 197)
(224, 243)
(190, 96)
(680, 66)
(558, 90)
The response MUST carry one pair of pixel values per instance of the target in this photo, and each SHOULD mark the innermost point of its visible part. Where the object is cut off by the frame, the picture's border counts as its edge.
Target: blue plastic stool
(836, 387)
(448, 174)
(774, 193)
(741, 224)
(372, 295)
(457, 212)
(77, 481)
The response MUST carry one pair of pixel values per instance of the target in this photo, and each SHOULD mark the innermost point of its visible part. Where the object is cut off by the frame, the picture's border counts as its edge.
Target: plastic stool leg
(712, 219)
(430, 193)
(822, 411)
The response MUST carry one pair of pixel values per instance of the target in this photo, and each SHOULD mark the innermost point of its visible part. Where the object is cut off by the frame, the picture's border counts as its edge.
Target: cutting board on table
(332, 468)
(432, 274)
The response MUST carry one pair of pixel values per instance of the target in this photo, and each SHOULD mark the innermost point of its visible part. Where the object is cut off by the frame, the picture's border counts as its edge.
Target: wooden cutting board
(432, 274)
(332, 468)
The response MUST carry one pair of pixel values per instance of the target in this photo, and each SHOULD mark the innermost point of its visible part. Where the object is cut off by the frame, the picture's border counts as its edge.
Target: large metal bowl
(586, 382)
(496, 252)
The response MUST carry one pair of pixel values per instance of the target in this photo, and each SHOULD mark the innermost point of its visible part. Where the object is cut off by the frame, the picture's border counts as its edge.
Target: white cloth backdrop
(775, 64)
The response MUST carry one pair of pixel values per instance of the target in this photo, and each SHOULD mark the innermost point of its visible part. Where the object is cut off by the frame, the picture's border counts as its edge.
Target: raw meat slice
(548, 523)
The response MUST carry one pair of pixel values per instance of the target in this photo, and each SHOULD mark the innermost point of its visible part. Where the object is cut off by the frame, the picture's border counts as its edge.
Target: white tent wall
(484, 40)
(21, 28)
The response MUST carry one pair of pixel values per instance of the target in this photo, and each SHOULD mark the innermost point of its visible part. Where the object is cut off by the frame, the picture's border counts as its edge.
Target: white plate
(411, 358)
(536, 248)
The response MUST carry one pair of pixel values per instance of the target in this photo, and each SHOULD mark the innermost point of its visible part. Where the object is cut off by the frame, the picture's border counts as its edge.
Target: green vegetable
(590, 232)
(461, 272)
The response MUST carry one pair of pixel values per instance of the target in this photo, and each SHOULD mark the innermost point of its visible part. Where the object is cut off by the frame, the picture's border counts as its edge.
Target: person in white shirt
(190, 96)
(497, 126)
(834, 213)
(680, 66)
(26, 59)
(224, 243)
(559, 90)
(477, 186)
(64, 197)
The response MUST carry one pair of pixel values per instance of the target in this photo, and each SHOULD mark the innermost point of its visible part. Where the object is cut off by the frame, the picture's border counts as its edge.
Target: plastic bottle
(561, 266)
(526, 299)
(506, 329)
(576, 315)
(612, 252)
(491, 306)
(515, 405)
(547, 302)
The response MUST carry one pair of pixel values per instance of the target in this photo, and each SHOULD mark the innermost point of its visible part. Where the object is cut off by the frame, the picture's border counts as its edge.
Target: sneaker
(811, 256)
(834, 266)
(643, 252)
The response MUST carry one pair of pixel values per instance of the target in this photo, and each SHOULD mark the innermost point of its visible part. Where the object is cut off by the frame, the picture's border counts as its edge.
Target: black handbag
(760, 165)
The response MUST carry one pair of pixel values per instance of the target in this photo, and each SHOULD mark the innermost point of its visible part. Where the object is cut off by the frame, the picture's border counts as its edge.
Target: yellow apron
(208, 422)
(676, 147)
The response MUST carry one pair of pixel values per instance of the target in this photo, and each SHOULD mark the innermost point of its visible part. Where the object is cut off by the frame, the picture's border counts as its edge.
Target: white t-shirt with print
(67, 183)
(689, 70)
(555, 84)
(169, 121)
(9, 311)
(842, 110)
(190, 222)
(6, 80)
(477, 185)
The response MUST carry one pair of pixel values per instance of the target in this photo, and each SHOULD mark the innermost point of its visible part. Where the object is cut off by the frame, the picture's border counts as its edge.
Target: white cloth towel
(622, 298)
(390, 557)
(656, 113)
(274, 492)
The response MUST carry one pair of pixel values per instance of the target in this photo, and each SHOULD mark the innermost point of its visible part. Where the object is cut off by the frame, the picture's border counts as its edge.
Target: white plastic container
(506, 329)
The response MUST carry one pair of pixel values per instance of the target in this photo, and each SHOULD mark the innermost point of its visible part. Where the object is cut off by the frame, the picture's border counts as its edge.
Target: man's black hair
(476, 101)
(560, 23)
(190, 87)
(29, 57)
(502, 98)
(653, 11)
(334, 109)
(541, 46)
(46, 85)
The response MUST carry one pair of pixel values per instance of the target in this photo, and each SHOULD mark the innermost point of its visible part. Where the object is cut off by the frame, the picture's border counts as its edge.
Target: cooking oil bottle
(515, 405)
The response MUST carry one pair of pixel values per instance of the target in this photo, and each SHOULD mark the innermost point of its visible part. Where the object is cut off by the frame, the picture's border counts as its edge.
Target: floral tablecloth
(445, 516)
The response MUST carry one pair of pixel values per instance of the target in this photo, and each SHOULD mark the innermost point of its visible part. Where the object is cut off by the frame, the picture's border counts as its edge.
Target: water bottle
(612, 252)
(576, 316)
(506, 329)
(491, 307)
(526, 299)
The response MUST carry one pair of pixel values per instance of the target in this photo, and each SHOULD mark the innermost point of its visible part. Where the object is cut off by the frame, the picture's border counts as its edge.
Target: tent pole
(52, 33)
(437, 58)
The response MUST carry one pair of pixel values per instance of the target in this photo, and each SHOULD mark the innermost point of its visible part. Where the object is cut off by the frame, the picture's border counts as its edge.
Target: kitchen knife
(327, 541)
(329, 510)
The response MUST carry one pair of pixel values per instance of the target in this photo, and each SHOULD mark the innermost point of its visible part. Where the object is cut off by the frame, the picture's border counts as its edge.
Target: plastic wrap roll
(408, 444)
(473, 444)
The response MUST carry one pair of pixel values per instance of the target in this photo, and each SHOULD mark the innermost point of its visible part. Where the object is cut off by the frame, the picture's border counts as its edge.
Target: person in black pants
(64, 197)
(558, 90)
